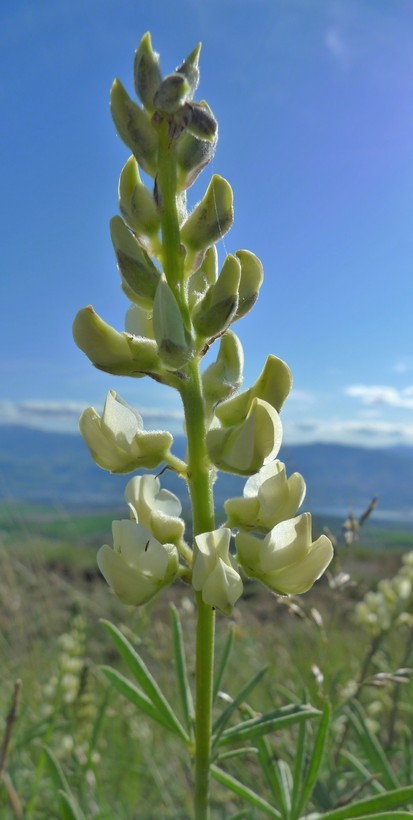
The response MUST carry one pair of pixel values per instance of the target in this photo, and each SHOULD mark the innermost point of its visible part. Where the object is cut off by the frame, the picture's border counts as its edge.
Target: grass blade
(226, 713)
(181, 671)
(128, 689)
(219, 674)
(144, 678)
(70, 809)
(264, 724)
(371, 747)
(243, 791)
(379, 805)
(315, 760)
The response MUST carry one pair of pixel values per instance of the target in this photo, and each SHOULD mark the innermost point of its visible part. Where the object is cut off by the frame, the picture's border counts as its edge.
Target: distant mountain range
(41, 467)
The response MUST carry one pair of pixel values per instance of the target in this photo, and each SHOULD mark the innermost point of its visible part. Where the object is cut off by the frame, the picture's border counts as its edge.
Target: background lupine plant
(182, 301)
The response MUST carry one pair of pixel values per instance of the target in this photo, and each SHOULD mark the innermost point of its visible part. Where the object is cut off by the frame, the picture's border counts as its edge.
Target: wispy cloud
(382, 395)
(360, 432)
(336, 46)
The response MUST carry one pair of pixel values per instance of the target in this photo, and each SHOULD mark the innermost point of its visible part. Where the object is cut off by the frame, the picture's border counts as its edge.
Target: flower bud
(251, 280)
(269, 497)
(174, 341)
(138, 322)
(286, 560)
(224, 376)
(147, 72)
(138, 566)
(190, 69)
(140, 277)
(215, 310)
(134, 128)
(171, 93)
(202, 123)
(192, 155)
(213, 573)
(203, 278)
(136, 203)
(211, 218)
(244, 448)
(113, 352)
(273, 386)
(158, 510)
(117, 441)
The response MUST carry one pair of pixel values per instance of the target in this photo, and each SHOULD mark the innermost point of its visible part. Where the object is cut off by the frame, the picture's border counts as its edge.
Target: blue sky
(313, 99)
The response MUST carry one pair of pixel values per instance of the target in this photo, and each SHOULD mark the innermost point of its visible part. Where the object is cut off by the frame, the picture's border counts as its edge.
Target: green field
(120, 765)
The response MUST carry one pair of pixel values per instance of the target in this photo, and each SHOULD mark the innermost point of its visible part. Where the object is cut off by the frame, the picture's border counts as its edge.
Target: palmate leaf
(377, 806)
(145, 678)
(128, 689)
(270, 722)
(243, 791)
(184, 688)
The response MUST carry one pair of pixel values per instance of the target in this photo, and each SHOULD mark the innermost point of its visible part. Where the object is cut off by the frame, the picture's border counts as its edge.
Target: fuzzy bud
(244, 448)
(171, 93)
(203, 278)
(140, 277)
(136, 203)
(273, 386)
(147, 72)
(134, 128)
(216, 309)
(174, 341)
(192, 155)
(190, 69)
(224, 376)
(202, 123)
(113, 352)
(211, 218)
(251, 280)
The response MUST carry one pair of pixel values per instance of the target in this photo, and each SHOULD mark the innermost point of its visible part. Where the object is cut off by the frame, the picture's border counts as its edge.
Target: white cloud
(301, 396)
(336, 46)
(382, 395)
(360, 432)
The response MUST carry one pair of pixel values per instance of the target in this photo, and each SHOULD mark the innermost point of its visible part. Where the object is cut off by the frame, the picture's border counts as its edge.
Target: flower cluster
(182, 301)
(391, 604)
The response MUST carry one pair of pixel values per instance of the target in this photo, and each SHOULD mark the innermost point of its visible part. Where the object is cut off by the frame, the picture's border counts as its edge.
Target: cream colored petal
(287, 543)
(298, 578)
(242, 512)
(128, 585)
(222, 588)
(139, 549)
(249, 549)
(205, 559)
(102, 446)
(120, 420)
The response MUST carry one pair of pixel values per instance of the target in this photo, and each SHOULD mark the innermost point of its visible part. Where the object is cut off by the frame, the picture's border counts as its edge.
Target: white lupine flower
(286, 560)
(117, 440)
(269, 497)
(138, 565)
(158, 510)
(244, 448)
(213, 573)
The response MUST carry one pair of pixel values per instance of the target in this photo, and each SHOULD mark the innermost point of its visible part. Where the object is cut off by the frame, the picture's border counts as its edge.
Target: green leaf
(244, 750)
(181, 671)
(372, 749)
(379, 805)
(361, 769)
(271, 722)
(271, 772)
(144, 678)
(226, 713)
(315, 761)
(70, 808)
(299, 765)
(134, 695)
(219, 674)
(243, 791)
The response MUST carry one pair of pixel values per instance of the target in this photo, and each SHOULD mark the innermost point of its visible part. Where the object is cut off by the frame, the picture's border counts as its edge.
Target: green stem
(199, 473)
(200, 477)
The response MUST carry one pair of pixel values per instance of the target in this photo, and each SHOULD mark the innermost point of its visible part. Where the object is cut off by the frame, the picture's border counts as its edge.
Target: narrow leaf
(226, 713)
(271, 772)
(134, 695)
(181, 671)
(69, 807)
(286, 782)
(244, 750)
(299, 764)
(315, 760)
(361, 769)
(371, 746)
(379, 804)
(243, 791)
(226, 651)
(264, 724)
(144, 678)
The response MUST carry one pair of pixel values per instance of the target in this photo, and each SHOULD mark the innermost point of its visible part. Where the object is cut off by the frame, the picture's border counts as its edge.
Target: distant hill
(41, 467)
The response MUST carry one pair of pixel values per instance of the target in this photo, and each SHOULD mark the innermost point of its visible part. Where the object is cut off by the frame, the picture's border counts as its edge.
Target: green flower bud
(134, 128)
(211, 218)
(174, 341)
(215, 310)
(190, 69)
(224, 376)
(286, 560)
(138, 566)
(140, 277)
(113, 352)
(117, 441)
(136, 203)
(158, 510)
(147, 72)
(213, 573)
(251, 280)
(244, 448)
(202, 123)
(203, 278)
(269, 497)
(192, 155)
(273, 386)
(171, 93)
